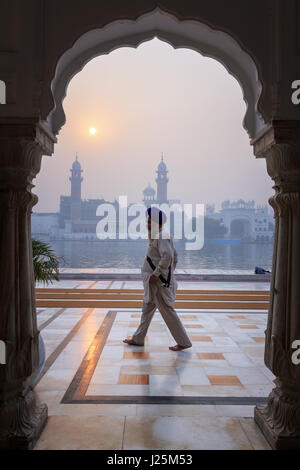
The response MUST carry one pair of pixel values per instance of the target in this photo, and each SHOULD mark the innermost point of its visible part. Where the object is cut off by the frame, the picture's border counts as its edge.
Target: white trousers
(162, 299)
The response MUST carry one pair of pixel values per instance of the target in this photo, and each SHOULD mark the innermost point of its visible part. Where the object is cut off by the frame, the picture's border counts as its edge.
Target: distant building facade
(244, 221)
(45, 224)
(77, 218)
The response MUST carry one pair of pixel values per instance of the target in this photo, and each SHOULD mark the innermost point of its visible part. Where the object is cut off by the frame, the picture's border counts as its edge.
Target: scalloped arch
(189, 34)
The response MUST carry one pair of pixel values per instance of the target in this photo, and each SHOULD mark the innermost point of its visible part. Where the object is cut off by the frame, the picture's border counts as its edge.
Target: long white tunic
(163, 254)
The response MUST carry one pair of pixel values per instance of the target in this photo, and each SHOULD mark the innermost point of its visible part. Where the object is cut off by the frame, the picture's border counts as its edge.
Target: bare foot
(179, 348)
(131, 342)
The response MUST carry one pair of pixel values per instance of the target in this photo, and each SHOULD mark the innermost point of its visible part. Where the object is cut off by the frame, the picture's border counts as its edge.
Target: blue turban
(157, 215)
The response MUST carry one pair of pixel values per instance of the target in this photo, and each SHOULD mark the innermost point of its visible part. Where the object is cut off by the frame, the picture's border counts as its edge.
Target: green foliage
(45, 262)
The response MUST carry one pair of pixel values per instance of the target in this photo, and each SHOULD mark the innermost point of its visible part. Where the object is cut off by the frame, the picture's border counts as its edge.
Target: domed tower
(149, 196)
(162, 182)
(76, 180)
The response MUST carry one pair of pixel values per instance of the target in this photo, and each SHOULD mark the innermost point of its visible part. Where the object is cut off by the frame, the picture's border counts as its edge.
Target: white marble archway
(26, 133)
(179, 34)
(245, 226)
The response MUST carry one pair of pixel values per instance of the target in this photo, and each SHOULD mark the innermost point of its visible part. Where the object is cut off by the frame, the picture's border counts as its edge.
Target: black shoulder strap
(165, 282)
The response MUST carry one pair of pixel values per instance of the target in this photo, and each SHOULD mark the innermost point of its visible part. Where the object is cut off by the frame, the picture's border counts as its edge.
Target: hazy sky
(146, 101)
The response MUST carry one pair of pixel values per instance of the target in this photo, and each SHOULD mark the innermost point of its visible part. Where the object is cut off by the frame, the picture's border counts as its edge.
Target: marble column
(279, 420)
(22, 417)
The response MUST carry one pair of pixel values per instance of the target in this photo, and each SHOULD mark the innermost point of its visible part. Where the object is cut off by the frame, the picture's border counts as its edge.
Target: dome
(76, 165)
(149, 191)
(162, 166)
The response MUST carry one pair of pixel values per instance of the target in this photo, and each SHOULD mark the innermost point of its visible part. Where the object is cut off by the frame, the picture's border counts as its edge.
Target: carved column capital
(279, 133)
(283, 166)
(283, 202)
(30, 130)
(279, 144)
(22, 145)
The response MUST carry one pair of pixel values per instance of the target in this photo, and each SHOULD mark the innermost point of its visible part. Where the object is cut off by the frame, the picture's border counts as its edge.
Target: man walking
(159, 283)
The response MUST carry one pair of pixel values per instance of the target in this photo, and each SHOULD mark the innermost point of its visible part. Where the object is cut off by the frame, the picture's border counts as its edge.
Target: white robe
(162, 254)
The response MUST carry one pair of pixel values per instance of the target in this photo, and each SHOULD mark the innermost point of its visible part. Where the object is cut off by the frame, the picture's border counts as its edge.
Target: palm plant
(45, 262)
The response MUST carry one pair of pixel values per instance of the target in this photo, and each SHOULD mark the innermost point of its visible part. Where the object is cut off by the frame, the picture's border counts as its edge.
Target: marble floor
(103, 394)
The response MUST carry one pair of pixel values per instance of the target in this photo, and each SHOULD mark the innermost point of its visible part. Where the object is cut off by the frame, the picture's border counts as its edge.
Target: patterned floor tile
(210, 356)
(248, 327)
(131, 379)
(204, 339)
(194, 326)
(136, 355)
(224, 380)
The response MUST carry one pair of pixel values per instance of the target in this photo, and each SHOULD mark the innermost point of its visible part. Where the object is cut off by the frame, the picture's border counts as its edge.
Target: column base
(276, 441)
(22, 422)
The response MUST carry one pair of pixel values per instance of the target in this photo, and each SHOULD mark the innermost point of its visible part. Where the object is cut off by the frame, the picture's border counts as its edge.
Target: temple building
(77, 218)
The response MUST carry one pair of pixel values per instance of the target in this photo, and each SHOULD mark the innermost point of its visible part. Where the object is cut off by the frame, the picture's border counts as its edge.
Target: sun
(92, 131)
